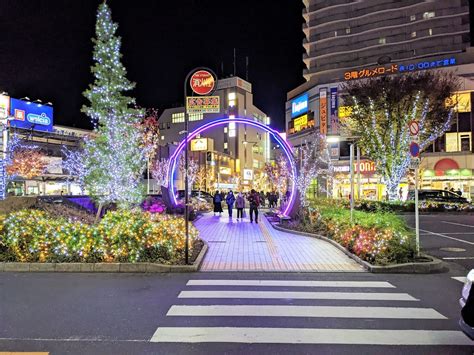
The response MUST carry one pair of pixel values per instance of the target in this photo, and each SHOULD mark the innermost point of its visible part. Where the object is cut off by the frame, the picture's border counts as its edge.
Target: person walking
(254, 200)
(230, 199)
(217, 200)
(262, 198)
(240, 205)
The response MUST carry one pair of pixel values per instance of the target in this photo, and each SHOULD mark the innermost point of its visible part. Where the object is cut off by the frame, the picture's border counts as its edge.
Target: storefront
(452, 173)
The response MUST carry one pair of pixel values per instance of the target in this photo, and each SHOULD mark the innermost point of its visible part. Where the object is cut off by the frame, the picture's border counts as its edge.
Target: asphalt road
(449, 237)
(170, 313)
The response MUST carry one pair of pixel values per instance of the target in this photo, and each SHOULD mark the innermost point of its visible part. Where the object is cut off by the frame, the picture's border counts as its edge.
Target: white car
(467, 303)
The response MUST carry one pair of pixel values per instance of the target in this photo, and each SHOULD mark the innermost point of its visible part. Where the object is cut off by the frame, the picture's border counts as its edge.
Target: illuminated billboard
(4, 106)
(299, 105)
(29, 115)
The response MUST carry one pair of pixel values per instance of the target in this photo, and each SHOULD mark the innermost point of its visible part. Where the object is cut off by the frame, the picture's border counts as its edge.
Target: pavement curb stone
(432, 267)
(104, 267)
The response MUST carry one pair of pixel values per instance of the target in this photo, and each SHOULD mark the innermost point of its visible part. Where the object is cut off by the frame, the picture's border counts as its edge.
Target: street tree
(382, 109)
(114, 157)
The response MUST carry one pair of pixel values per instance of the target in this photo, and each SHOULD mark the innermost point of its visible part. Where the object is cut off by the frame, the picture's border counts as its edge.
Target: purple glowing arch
(282, 142)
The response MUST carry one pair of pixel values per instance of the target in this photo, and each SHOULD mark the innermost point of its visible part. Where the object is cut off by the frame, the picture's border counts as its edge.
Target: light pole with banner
(414, 128)
(202, 82)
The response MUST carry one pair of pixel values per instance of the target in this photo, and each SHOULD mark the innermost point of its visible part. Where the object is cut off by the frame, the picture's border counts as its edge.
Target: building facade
(232, 156)
(352, 40)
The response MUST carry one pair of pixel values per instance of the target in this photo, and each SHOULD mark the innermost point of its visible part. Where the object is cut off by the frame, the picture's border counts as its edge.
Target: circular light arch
(282, 142)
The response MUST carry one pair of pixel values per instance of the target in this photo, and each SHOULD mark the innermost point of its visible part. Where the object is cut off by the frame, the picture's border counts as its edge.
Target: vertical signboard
(323, 111)
(4, 106)
(333, 111)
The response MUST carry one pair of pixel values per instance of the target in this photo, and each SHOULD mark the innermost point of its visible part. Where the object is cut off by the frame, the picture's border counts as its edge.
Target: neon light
(276, 135)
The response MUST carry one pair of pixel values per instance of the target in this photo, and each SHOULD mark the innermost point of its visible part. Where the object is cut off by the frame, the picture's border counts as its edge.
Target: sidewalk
(245, 246)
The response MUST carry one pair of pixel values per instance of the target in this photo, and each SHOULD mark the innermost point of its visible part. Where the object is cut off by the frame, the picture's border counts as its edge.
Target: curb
(432, 267)
(105, 267)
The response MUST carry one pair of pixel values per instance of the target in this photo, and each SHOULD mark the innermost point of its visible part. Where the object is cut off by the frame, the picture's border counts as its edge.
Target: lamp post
(352, 141)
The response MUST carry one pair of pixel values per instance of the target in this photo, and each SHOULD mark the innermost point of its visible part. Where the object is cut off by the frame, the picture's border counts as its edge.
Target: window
(335, 33)
(225, 130)
(226, 145)
(348, 30)
(382, 40)
(195, 116)
(177, 117)
(168, 125)
(430, 31)
(413, 34)
(413, 18)
(162, 138)
(428, 15)
(232, 98)
(255, 163)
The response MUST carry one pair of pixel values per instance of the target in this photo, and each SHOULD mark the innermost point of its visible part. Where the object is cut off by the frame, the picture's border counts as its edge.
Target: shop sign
(225, 171)
(323, 112)
(4, 106)
(248, 174)
(300, 123)
(344, 111)
(371, 72)
(203, 104)
(461, 102)
(29, 115)
(333, 111)
(202, 82)
(299, 105)
(365, 167)
(199, 144)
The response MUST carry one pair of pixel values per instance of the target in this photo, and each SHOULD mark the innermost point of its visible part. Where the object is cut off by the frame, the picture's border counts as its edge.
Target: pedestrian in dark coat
(240, 205)
(254, 200)
(230, 199)
(217, 203)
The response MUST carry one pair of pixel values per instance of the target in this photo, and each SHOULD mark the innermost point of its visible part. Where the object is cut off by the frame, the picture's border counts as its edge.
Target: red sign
(202, 82)
(414, 128)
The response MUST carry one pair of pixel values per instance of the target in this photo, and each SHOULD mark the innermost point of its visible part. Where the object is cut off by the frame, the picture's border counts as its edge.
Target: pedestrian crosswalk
(284, 311)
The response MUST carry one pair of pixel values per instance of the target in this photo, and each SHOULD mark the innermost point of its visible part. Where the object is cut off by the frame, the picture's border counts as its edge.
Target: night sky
(46, 51)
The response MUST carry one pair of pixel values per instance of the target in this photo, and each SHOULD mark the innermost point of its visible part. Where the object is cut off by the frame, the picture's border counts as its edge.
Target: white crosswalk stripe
(244, 303)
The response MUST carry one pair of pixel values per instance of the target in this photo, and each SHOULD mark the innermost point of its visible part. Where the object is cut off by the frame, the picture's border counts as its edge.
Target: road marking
(290, 283)
(304, 311)
(446, 236)
(308, 336)
(458, 224)
(22, 353)
(458, 258)
(462, 279)
(373, 296)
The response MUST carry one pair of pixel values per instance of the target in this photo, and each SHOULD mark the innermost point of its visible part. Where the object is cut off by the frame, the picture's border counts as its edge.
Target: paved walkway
(245, 246)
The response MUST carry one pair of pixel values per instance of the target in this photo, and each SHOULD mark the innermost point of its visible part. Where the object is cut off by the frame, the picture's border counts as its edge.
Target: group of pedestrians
(253, 198)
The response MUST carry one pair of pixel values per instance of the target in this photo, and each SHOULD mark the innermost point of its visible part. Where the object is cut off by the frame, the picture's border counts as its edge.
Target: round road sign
(414, 128)
(414, 149)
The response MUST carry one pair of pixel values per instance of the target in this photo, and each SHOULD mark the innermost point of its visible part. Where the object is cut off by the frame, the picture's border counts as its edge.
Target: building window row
(178, 117)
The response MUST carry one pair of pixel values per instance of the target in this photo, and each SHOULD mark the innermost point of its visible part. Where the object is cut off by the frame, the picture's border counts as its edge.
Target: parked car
(437, 196)
(467, 303)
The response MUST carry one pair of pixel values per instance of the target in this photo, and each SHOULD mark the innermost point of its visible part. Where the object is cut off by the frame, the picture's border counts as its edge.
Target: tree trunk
(99, 211)
(392, 188)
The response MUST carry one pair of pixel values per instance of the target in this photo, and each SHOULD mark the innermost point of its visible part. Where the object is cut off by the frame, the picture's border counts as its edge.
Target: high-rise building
(348, 34)
(348, 40)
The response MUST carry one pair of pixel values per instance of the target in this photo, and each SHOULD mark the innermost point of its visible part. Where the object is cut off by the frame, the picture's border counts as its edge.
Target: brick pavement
(244, 246)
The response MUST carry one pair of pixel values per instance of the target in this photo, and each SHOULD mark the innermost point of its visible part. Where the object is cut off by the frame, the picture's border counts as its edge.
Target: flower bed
(408, 206)
(121, 236)
(377, 237)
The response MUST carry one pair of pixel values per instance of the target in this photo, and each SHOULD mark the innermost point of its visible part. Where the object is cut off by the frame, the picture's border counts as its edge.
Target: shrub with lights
(121, 236)
(376, 237)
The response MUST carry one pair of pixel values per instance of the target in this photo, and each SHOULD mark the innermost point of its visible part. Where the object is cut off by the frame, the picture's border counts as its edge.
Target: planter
(104, 267)
(430, 267)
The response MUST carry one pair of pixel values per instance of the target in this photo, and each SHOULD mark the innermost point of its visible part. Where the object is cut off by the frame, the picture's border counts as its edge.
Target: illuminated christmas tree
(114, 158)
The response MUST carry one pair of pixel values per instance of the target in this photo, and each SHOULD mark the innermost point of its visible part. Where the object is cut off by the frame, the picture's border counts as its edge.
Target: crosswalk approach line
(291, 283)
(372, 296)
(308, 336)
(304, 311)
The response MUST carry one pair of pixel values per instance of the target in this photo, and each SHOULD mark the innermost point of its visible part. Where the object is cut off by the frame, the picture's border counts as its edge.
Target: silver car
(467, 303)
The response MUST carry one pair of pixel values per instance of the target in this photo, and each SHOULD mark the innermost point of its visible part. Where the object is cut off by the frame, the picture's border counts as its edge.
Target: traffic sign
(414, 128)
(414, 149)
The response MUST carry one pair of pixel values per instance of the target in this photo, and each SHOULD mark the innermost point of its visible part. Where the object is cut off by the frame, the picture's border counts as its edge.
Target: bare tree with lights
(382, 110)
